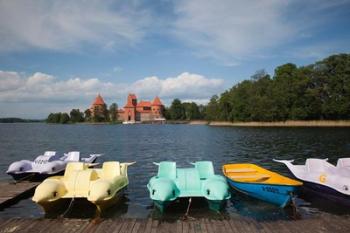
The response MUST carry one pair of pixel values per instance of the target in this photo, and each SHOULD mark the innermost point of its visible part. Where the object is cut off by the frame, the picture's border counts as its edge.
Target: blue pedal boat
(261, 183)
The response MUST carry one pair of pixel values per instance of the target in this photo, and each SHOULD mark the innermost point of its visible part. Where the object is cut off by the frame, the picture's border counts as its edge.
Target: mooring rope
(294, 206)
(186, 216)
(67, 210)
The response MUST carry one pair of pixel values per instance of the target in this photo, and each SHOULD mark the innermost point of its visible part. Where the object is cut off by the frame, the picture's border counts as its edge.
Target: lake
(146, 144)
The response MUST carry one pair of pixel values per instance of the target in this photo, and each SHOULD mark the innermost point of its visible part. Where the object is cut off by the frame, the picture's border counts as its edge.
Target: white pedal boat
(48, 164)
(323, 178)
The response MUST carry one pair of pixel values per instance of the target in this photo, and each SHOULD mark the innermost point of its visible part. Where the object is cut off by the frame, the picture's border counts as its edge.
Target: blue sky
(57, 55)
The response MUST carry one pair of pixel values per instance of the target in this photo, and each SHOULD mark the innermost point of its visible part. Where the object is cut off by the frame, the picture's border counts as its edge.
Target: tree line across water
(76, 116)
(320, 91)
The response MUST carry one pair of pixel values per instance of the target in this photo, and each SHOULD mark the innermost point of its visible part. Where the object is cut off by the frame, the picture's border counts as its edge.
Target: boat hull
(33, 176)
(280, 195)
(53, 206)
(104, 205)
(326, 193)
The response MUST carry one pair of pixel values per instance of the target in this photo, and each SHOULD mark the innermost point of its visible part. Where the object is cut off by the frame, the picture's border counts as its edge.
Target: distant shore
(289, 123)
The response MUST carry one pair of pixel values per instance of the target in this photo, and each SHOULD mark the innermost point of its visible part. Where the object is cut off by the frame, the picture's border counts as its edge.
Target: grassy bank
(290, 123)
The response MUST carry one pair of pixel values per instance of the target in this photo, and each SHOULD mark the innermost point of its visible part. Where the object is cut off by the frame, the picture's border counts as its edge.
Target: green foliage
(87, 115)
(113, 112)
(76, 116)
(64, 118)
(183, 111)
(18, 120)
(315, 92)
(54, 118)
(177, 110)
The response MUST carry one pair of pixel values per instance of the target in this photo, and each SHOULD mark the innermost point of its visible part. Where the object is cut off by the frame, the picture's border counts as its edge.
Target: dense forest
(314, 92)
(18, 120)
(320, 91)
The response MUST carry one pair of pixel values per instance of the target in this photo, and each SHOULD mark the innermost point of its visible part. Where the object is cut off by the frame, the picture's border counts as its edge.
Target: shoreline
(289, 123)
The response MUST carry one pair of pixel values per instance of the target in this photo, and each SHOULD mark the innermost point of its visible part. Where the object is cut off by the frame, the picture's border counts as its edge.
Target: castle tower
(130, 108)
(157, 108)
(98, 107)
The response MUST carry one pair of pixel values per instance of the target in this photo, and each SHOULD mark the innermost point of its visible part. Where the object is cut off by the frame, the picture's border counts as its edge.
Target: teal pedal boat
(172, 183)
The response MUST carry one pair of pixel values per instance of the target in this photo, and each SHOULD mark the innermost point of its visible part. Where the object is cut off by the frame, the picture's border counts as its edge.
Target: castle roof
(157, 102)
(144, 104)
(98, 100)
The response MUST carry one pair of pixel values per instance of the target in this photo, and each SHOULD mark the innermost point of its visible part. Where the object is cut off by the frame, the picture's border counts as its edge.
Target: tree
(64, 119)
(54, 118)
(76, 116)
(191, 111)
(113, 112)
(87, 115)
(105, 116)
(166, 113)
(212, 109)
(316, 91)
(176, 110)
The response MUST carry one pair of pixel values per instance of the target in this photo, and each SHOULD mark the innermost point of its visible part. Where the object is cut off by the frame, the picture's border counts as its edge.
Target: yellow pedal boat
(101, 186)
(261, 183)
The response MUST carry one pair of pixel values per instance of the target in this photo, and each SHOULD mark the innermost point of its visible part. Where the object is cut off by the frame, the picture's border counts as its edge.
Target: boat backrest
(73, 156)
(48, 156)
(49, 153)
(110, 169)
(188, 179)
(167, 170)
(205, 169)
(318, 165)
(343, 162)
(73, 166)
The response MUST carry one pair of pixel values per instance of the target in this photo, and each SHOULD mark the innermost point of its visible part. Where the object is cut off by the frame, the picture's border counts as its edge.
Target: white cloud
(234, 30)
(47, 91)
(67, 25)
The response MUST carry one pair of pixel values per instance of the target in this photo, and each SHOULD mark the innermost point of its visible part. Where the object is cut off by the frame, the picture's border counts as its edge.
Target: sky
(58, 55)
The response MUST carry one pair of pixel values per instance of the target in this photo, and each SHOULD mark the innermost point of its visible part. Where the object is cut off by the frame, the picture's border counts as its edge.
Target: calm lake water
(181, 143)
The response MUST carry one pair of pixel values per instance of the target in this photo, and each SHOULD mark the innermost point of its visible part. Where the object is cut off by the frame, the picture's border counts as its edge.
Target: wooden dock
(11, 193)
(323, 223)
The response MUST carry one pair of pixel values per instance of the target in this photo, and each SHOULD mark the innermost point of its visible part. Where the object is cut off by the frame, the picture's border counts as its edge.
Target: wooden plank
(227, 226)
(179, 226)
(11, 193)
(116, 225)
(329, 223)
(148, 226)
(19, 225)
(136, 227)
(143, 224)
(131, 226)
(203, 226)
(155, 224)
(209, 226)
(185, 227)
(233, 225)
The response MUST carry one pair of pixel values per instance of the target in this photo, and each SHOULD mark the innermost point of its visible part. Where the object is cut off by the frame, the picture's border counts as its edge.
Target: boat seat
(205, 169)
(73, 156)
(343, 162)
(252, 177)
(73, 166)
(111, 169)
(167, 170)
(234, 170)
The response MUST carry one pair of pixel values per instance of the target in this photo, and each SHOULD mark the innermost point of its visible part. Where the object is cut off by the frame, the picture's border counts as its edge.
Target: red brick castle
(142, 111)
(133, 111)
